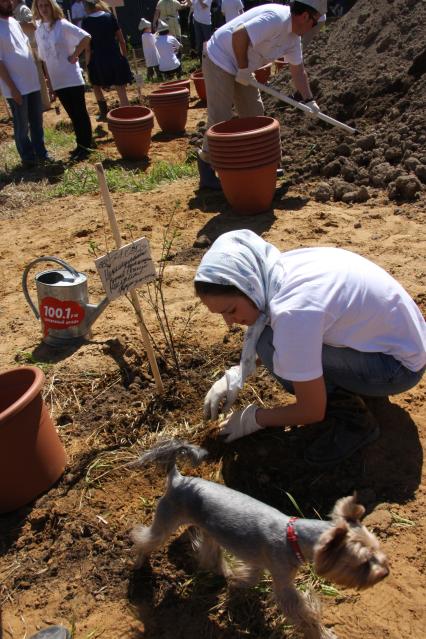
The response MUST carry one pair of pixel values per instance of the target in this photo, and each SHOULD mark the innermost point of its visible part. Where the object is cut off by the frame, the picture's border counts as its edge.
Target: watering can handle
(44, 258)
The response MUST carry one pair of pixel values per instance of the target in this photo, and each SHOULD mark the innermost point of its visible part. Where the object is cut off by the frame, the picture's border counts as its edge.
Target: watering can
(63, 306)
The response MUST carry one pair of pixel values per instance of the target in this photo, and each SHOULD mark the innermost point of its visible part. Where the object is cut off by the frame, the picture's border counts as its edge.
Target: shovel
(301, 106)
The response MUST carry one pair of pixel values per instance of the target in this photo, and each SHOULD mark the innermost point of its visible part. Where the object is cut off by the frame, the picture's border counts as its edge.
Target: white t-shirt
(269, 29)
(15, 53)
(335, 297)
(202, 14)
(167, 46)
(150, 52)
(78, 12)
(54, 46)
(231, 9)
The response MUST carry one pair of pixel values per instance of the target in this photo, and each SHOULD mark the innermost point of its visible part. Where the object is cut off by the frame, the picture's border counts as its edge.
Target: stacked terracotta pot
(182, 84)
(200, 86)
(131, 128)
(279, 64)
(170, 106)
(263, 73)
(245, 153)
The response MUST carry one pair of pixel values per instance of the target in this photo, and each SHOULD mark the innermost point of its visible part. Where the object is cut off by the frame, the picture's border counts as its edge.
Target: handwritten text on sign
(127, 267)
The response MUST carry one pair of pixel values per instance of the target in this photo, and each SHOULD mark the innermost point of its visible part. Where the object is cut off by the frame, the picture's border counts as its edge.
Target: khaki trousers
(222, 94)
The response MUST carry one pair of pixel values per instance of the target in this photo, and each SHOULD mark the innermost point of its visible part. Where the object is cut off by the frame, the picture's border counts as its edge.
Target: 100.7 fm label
(60, 314)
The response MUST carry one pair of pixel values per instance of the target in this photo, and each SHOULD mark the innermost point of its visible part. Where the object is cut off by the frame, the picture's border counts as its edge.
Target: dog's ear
(327, 550)
(348, 509)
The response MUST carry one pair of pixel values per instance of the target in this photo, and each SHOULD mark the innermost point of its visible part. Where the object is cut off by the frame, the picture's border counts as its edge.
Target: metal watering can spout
(63, 305)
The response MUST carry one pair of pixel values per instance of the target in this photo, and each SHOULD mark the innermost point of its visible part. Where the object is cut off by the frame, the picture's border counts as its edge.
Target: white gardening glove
(314, 106)
(240, 424)
(244, 76)
(220, 392)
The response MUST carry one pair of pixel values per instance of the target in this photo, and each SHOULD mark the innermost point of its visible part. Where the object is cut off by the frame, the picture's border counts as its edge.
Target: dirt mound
(367, 70)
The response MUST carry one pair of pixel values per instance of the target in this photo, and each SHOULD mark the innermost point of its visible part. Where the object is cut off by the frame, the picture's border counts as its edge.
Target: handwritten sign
(125, 268)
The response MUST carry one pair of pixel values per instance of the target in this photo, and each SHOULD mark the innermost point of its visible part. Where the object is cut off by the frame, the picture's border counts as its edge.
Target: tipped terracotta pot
(32, 457)
(200, 86)
(246, 152)
(170, 109)
(183, 84)
(263, 73)
(279, 64)
(131, 128)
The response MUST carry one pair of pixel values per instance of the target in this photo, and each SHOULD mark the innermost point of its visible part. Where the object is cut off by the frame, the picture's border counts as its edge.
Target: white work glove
(240, 424)
(220, 392)
(314, 106)
(244, 76)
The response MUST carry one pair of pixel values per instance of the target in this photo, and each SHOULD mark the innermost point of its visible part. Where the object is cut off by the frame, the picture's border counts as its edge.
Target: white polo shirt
(269, 29)
(15, 53)
(231, 9)
(202, 14)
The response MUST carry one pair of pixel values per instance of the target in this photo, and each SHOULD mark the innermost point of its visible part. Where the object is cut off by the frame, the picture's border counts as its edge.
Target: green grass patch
(58, 138)
(81, 180)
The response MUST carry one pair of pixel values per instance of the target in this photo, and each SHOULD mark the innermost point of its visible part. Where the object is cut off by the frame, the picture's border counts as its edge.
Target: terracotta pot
(245, 145)
(241, 129)
(235, 163)
(131, 128)
(249, 191)
(32, 457)
(200, 86)
(263, 74)
(184, 84)
(170, 109)
(279, 64)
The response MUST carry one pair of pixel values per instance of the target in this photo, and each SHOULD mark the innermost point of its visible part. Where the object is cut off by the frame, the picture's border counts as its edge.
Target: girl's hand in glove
(313, 106)
(240, 424)
(220, 392)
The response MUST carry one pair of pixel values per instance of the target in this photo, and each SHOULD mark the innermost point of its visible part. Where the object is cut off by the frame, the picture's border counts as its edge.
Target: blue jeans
(28, 118)
(202, 33)
(370, 374)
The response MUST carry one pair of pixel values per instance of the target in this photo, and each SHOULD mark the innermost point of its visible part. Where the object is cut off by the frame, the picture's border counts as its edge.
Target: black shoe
(28, 164)
(208, 178)
(350, 427)
(280, 172)
(54, 632)
(79, 153)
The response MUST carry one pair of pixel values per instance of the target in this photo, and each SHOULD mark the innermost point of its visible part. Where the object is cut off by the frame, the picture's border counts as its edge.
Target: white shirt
(150, 52)
(78, 12)
(269, 29)
(231, 9)
(335, 297)
(55, 45)
(202, 14)
(15, 53)
(167, 46)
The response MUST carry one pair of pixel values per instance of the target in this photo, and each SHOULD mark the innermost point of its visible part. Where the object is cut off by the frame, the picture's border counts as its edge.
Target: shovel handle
(301, 106)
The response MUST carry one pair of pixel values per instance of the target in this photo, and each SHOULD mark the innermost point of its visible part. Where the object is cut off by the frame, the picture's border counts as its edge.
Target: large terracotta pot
(183, 84)
(170, 108)
(246, 152)
(263, 73)
(200, 86)
(32, 457)
(131, 128)
(279, 64)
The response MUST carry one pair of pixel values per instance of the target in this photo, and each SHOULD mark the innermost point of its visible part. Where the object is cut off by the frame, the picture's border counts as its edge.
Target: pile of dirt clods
(367, 70)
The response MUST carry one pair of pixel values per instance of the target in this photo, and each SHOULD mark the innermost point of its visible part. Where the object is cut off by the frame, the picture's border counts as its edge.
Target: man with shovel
(243, 45)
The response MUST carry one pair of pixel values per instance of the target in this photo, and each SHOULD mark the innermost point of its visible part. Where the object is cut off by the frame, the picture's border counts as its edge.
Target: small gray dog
(342, 549)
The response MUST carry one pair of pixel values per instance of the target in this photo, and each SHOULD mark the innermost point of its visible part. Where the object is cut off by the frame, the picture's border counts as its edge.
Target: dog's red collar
(292, 539)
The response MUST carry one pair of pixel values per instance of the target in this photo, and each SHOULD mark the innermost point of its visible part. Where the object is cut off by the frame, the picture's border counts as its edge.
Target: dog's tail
(167, 451)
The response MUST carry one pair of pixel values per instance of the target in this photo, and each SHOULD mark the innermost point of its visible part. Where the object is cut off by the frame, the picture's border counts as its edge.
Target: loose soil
(66, 558)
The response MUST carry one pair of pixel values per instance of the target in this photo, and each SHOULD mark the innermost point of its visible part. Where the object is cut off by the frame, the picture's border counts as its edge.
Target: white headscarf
(245, 260)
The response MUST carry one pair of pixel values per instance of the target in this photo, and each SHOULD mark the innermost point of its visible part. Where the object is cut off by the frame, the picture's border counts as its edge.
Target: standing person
(249, 41)
(328, 324)
(202, 23)
(149, 49)
(20, 85)
(23, 14)
(78, 12)
(108, 65)
(168, 11)
(168, 48)
(231, 9)
(60, 44)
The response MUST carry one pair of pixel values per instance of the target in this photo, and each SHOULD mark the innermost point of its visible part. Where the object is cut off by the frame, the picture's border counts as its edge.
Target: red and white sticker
(60, 314)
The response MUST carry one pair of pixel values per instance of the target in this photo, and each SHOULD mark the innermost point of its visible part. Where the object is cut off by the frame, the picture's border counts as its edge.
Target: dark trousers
(74, 103)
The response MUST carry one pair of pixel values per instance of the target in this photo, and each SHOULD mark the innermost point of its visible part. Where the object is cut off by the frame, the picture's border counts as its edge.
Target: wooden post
(135, 300)
(138, 77)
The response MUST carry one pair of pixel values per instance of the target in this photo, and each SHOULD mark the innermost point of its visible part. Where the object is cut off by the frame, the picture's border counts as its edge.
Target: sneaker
(54, 632)
(350, 426)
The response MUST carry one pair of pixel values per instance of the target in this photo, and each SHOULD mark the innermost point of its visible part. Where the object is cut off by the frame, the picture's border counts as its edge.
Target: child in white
(231, 9)
(150, 52)
(168, 47)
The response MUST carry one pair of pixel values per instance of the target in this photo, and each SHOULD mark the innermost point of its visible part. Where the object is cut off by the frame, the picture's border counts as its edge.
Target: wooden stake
(137, 78)
(135, 300)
